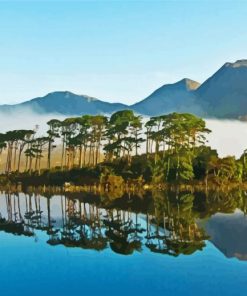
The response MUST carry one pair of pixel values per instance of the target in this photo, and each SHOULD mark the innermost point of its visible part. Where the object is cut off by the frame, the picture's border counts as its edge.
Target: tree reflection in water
(161, 222)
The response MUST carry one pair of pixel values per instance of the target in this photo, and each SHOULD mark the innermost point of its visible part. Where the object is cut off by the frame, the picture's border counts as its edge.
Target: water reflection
(160, 222)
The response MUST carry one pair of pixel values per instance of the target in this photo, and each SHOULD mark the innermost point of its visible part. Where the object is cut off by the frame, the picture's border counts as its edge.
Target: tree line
(173, 146)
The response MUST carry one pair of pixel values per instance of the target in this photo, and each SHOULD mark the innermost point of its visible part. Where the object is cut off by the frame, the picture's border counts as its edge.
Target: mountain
(66, 103)
(224, 95)
(179, 97)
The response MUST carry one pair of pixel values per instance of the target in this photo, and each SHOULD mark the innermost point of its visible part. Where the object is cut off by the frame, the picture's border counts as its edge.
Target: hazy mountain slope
(179, 97)
(66, 103)
(224, 95)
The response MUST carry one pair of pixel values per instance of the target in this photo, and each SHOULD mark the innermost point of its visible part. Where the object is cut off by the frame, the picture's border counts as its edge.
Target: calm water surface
(103, 245)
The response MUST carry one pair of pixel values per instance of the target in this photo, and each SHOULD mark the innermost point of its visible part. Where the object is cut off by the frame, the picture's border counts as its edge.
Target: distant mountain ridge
(223, 95)
(66, 103)
(179, 97)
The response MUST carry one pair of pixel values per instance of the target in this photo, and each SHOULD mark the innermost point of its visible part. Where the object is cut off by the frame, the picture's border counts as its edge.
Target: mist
(26, 119)
(229, 137)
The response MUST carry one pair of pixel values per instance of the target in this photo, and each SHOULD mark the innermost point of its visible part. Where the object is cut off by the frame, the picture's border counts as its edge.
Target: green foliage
(203, 157)
(178, 167)
(175, 144)
(185, 170)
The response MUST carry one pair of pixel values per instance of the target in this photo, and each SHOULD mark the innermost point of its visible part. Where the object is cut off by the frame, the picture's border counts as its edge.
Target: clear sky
(114, 50)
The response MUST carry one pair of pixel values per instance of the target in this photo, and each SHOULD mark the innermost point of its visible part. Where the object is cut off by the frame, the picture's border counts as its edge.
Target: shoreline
(129, 187)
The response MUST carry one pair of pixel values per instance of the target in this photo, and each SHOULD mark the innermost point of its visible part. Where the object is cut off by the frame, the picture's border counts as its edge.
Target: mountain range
(223, 95)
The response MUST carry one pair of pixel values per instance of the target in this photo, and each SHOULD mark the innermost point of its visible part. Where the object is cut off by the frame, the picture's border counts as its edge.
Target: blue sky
(114, 50)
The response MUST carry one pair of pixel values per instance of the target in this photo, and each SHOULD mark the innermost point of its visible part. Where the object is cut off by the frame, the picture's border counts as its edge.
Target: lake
(151, 243)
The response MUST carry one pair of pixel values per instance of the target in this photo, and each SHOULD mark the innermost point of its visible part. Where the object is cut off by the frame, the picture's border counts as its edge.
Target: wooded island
(167, 149)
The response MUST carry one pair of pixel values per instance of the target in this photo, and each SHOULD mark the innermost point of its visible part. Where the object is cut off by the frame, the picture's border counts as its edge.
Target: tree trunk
(30, 165)
(178, 165)
(80, 156)
(84, 156)
(15, 147)
(49, 155)
(19, 159)
(62, 157)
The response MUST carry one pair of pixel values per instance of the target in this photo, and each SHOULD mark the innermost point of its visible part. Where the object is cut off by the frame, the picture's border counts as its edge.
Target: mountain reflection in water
(160, 222)
(229, 234)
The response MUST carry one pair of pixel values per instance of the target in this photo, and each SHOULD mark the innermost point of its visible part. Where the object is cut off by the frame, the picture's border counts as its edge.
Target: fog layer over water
(229, 137)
